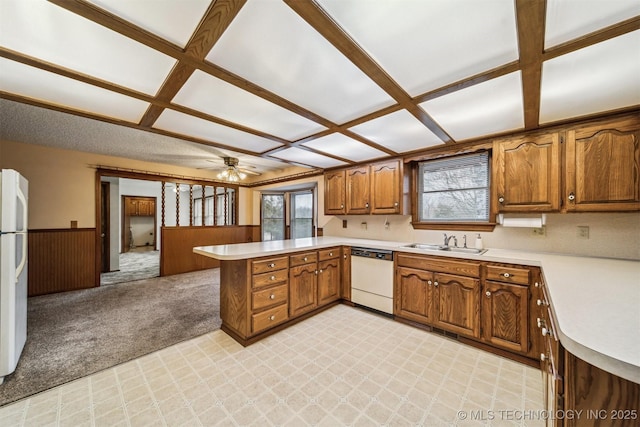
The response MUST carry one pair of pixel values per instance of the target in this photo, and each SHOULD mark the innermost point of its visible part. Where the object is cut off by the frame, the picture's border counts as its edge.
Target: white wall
(613, 235)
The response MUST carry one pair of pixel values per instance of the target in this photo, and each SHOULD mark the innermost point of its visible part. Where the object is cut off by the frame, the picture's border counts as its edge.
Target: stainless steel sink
(430, 247)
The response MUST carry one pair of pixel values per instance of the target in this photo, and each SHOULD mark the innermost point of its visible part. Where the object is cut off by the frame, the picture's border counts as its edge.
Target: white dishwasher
(372, 278)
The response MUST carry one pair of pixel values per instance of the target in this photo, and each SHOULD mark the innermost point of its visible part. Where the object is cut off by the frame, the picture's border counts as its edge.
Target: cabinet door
(334, 193)
(413, 295)
(303, 294)
(386, 187)
(505, 316)
(527, 174)
(328, 281)
(457, 304)
(602, 168)
(143, 208)
(132, 206)
(345, 292)
(358, 190)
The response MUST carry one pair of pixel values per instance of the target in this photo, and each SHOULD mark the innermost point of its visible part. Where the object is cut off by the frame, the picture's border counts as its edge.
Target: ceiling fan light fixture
(231, 174)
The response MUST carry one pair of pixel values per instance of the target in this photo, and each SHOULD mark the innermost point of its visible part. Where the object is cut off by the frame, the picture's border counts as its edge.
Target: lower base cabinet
(259, 294)
(489, 303)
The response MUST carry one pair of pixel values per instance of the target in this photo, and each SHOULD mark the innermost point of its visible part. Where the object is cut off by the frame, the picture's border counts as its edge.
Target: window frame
(415, 189)
(292, 205)
(284, 214)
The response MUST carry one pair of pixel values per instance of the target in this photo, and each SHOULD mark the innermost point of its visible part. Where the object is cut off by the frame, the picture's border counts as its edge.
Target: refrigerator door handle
(23, 261)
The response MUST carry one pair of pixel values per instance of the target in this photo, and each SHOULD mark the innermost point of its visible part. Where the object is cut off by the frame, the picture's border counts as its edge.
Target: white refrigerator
(13, 269)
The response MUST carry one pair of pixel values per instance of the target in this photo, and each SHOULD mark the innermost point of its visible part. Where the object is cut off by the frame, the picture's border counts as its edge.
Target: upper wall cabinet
(526, 173)
(363, 190)
(358, 191)
(386, 187)
(602, 166)
(334, 196)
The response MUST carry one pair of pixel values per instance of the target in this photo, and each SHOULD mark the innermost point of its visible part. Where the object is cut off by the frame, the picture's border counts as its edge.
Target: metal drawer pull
(272, 265)
(540, 322)
(543, 357)
(546, 332)
(330, 253)
(488, 294)
(272, 277)
(272, 296)
(272, 317)
(541, 303)
(429, 282)
(501, 199)
(537, 285)
(507, 275)
(435, 283)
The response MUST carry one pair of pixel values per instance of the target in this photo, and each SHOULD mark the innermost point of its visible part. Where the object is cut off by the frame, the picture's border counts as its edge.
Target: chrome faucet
(447, 239)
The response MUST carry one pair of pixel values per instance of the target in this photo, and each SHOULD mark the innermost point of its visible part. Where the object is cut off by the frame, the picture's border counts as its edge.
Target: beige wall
(62, 182)
(614, 235)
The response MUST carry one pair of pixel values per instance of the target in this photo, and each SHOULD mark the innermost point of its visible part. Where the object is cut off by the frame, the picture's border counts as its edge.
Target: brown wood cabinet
(260, 294)
(437, 292)
(370, 189)
(507, 308)
(386, 187)
(140, 206)
(602, 170)
(345, 285)
(526, 173)
(329, 275)
(334, 193)
(358, 190)
(414, 295)
(457, 304)
(489, 303)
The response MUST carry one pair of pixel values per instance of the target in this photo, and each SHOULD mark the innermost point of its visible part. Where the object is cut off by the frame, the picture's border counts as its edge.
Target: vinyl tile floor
(343, 367)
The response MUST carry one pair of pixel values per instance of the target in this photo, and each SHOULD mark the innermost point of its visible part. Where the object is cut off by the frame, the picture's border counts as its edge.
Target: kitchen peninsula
(586, 309)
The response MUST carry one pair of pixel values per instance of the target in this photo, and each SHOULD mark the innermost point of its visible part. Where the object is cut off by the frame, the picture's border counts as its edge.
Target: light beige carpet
(73, 334)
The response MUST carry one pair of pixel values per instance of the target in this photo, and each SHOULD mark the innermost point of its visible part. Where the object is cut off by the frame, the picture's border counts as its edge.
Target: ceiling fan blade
(249, 172)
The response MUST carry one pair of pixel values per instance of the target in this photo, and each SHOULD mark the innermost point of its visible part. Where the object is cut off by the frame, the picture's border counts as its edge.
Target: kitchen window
(453, 191)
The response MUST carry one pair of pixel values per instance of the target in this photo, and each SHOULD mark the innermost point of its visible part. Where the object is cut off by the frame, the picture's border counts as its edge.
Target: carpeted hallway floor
(136, 264)
(73, 334)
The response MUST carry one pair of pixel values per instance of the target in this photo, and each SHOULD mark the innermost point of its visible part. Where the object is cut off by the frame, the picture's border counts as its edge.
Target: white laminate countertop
(596, 301)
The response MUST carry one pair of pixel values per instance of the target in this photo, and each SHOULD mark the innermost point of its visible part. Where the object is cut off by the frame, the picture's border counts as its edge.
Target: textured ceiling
(320, 83)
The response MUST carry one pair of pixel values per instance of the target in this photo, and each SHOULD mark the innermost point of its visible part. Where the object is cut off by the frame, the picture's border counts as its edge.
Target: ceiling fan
(232, 172)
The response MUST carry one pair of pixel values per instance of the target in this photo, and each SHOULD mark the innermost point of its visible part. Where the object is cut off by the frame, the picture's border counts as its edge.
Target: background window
(454, 189)
(301, 214)
(273, 215)
(225, 208)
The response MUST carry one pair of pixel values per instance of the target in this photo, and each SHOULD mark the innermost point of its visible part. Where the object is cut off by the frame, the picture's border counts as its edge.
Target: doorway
(129, 223)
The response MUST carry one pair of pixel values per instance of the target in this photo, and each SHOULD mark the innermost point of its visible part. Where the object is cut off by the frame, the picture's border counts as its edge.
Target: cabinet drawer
(460, 268)
(268, 297)
(270, 264)
(303, 258)
(508, 274)
(330, 253)
(269, 318)
(272, 278)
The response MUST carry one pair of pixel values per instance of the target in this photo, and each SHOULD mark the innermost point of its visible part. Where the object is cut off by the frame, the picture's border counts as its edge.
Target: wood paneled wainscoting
(61, 260)
(176, 251)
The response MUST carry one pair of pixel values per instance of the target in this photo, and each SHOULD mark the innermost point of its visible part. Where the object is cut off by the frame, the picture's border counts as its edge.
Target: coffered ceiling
(319, 83)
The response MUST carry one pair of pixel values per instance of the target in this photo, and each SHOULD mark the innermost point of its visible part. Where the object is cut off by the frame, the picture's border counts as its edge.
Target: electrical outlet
(363, 225)
(583, 231)
(542, 231)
